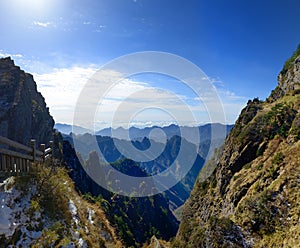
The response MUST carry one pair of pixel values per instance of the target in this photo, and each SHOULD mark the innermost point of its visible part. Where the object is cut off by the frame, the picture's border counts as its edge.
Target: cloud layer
(131, 102)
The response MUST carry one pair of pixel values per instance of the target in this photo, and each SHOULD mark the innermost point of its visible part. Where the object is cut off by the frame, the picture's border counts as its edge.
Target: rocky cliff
(23, 111)
(252, 198)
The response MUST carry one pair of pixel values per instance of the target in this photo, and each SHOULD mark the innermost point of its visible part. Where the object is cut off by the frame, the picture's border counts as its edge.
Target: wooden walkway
(18, 158)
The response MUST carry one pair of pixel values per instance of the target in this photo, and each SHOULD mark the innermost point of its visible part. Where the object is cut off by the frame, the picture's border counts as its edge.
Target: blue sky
(240, 45)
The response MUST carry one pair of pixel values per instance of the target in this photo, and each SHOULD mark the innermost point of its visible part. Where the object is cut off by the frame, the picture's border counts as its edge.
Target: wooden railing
(16, 157)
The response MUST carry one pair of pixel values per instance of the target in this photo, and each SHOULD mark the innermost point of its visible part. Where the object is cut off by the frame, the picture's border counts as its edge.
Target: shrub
(278, 120)
(259, 166)
(278, 158)
(257, 214)
(289, 62)
(247, 166)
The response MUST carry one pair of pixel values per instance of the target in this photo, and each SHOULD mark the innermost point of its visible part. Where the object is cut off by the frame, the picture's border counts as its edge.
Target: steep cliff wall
(23, 111)
(252, 198)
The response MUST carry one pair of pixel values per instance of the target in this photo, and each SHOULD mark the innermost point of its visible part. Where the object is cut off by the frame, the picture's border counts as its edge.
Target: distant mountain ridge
(171, 130)
(134, 133)
(67, 129)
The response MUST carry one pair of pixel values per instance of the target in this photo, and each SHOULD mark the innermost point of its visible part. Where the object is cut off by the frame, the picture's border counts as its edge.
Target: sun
(35, 7)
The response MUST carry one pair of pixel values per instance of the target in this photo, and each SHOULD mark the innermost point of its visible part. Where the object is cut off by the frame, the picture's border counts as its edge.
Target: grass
(54, 189)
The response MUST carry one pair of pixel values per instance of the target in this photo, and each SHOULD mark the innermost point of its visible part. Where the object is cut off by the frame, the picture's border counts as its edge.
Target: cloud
(42, 24)
(131, 102)
(4, 54)
(99, 28)
(61, 88)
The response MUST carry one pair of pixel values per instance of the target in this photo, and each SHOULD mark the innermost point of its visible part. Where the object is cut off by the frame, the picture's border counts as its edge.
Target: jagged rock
(23, 111)
(289, 81)
(288, 78)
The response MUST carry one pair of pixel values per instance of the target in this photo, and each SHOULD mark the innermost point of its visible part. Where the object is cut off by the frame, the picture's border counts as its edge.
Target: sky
(241, 47)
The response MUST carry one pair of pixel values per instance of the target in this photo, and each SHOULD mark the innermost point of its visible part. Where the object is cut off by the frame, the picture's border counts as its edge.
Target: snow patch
(91, 214)
(76, 235)
(13, 212)
(73, 211)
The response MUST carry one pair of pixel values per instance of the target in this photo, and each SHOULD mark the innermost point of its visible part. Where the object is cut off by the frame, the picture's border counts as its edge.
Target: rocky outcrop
(288, 78)
(289, 81)
(252, 197)
(23, 111)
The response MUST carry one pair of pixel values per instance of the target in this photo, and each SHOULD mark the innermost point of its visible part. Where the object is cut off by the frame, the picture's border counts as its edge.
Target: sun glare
(33, 7)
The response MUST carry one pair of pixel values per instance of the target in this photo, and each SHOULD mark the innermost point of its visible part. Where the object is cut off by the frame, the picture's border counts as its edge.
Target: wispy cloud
(99, 28)
(42, 24)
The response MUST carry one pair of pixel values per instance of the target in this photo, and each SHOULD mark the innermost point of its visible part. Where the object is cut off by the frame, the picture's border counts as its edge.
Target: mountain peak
(23, 111)
(7, 63)
(288, 78)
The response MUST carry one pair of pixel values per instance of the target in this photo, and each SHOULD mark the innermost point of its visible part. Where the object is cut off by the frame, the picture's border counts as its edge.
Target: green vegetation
(52, 190)
(244, 130)
(256, 214)
(259, 166)
(278, 158)
(34, 102)
(247, 166)
(295, 130)
(136, 219)
(128, 213)
(290, 61)
(276, 122)
(203, 187)
(217, 229)
(279, 120)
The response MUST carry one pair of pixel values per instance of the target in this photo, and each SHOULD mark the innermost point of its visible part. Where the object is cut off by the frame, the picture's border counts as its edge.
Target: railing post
(33, 146)
(2, 162)
(51, 144)
(10, 164)
(42, 149)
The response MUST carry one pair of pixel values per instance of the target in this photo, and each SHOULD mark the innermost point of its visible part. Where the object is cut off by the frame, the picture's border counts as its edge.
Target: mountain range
(181, 191)
(134, 133)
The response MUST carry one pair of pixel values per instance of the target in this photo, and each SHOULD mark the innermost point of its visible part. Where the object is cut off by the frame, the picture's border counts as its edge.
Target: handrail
(19, 158)
(8, 142)
(15, 154)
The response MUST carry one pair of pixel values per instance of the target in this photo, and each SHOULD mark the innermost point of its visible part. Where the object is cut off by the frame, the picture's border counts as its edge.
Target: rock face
(23, 111)
(288, 78)
(252, 198)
